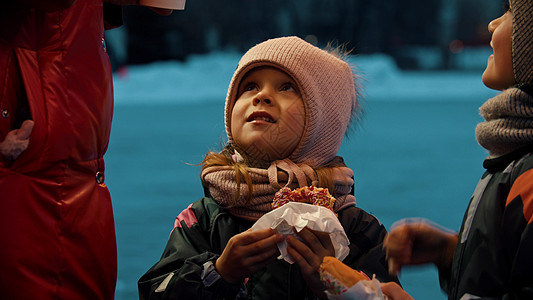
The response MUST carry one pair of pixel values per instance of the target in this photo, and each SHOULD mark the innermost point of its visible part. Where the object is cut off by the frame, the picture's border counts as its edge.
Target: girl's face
(499, 73)
(268, 117)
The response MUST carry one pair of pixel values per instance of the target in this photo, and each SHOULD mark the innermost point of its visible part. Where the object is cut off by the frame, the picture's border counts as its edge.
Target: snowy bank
(205, 78)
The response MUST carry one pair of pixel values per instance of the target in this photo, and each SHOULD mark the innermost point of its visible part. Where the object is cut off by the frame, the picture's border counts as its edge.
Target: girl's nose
(262, 99)
(494, 24)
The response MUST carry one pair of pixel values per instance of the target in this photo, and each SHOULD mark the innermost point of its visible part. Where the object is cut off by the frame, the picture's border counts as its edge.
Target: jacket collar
(501, 162)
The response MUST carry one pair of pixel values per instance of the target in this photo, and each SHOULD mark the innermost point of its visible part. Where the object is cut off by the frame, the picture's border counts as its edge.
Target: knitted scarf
(508, 122)
(222, 185)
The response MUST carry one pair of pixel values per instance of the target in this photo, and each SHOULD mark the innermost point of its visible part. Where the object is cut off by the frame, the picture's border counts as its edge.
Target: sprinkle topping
(308, 194)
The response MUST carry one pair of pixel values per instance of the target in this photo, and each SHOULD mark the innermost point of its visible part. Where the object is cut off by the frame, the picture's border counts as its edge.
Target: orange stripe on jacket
(523, 187)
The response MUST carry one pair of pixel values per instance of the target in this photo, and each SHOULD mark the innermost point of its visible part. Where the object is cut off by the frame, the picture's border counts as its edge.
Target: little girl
(491, 256)
(288, 107)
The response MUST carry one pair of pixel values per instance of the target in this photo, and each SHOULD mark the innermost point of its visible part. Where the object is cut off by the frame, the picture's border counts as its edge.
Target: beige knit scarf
(508, 122)
(222, 186)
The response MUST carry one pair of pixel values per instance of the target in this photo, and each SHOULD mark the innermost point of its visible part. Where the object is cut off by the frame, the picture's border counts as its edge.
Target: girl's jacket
(202, 231)
(494, 255)
(56, 220)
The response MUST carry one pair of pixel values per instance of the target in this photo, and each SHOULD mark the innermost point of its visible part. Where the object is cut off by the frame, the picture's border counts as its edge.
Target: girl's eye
(288, 87)
(251, 86)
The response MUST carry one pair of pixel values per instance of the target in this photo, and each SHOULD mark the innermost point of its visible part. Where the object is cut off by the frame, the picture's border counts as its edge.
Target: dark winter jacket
(494, 255)
(202, 231)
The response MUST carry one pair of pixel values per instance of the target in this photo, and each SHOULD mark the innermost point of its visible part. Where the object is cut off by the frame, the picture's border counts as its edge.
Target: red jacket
(56, 220)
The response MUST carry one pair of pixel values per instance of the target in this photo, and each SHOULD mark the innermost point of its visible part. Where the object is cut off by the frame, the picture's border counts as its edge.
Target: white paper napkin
(300, 215)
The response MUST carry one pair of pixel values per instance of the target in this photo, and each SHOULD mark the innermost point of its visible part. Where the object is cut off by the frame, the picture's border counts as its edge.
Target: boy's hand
(420, 242)
(394, 292)
(248, 252)
(16, 141)
(309, 254)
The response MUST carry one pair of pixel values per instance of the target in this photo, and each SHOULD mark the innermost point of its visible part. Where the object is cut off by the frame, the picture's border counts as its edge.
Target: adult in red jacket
(56, 220)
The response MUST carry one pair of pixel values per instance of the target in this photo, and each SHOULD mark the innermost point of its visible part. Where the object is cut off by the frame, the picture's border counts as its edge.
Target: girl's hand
(419, 242)
(394, 292)
(309, 254)
(246, 253)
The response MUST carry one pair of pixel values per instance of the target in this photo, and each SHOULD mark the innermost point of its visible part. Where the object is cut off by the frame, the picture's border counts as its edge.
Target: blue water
(411, 158)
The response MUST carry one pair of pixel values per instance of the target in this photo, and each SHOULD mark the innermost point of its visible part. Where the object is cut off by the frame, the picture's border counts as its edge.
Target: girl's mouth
(260, 116)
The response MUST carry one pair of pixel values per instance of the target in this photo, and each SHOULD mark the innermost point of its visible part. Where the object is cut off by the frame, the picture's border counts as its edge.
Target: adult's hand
(16, 141)
(419, 242)
(309, 254)
(248, 252)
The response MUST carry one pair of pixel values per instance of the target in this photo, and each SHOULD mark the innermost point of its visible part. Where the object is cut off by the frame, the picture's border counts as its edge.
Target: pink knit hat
(328, 92)
(522, 40)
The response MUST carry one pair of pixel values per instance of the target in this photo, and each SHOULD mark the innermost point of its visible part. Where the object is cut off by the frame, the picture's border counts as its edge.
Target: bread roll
(343, 273)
